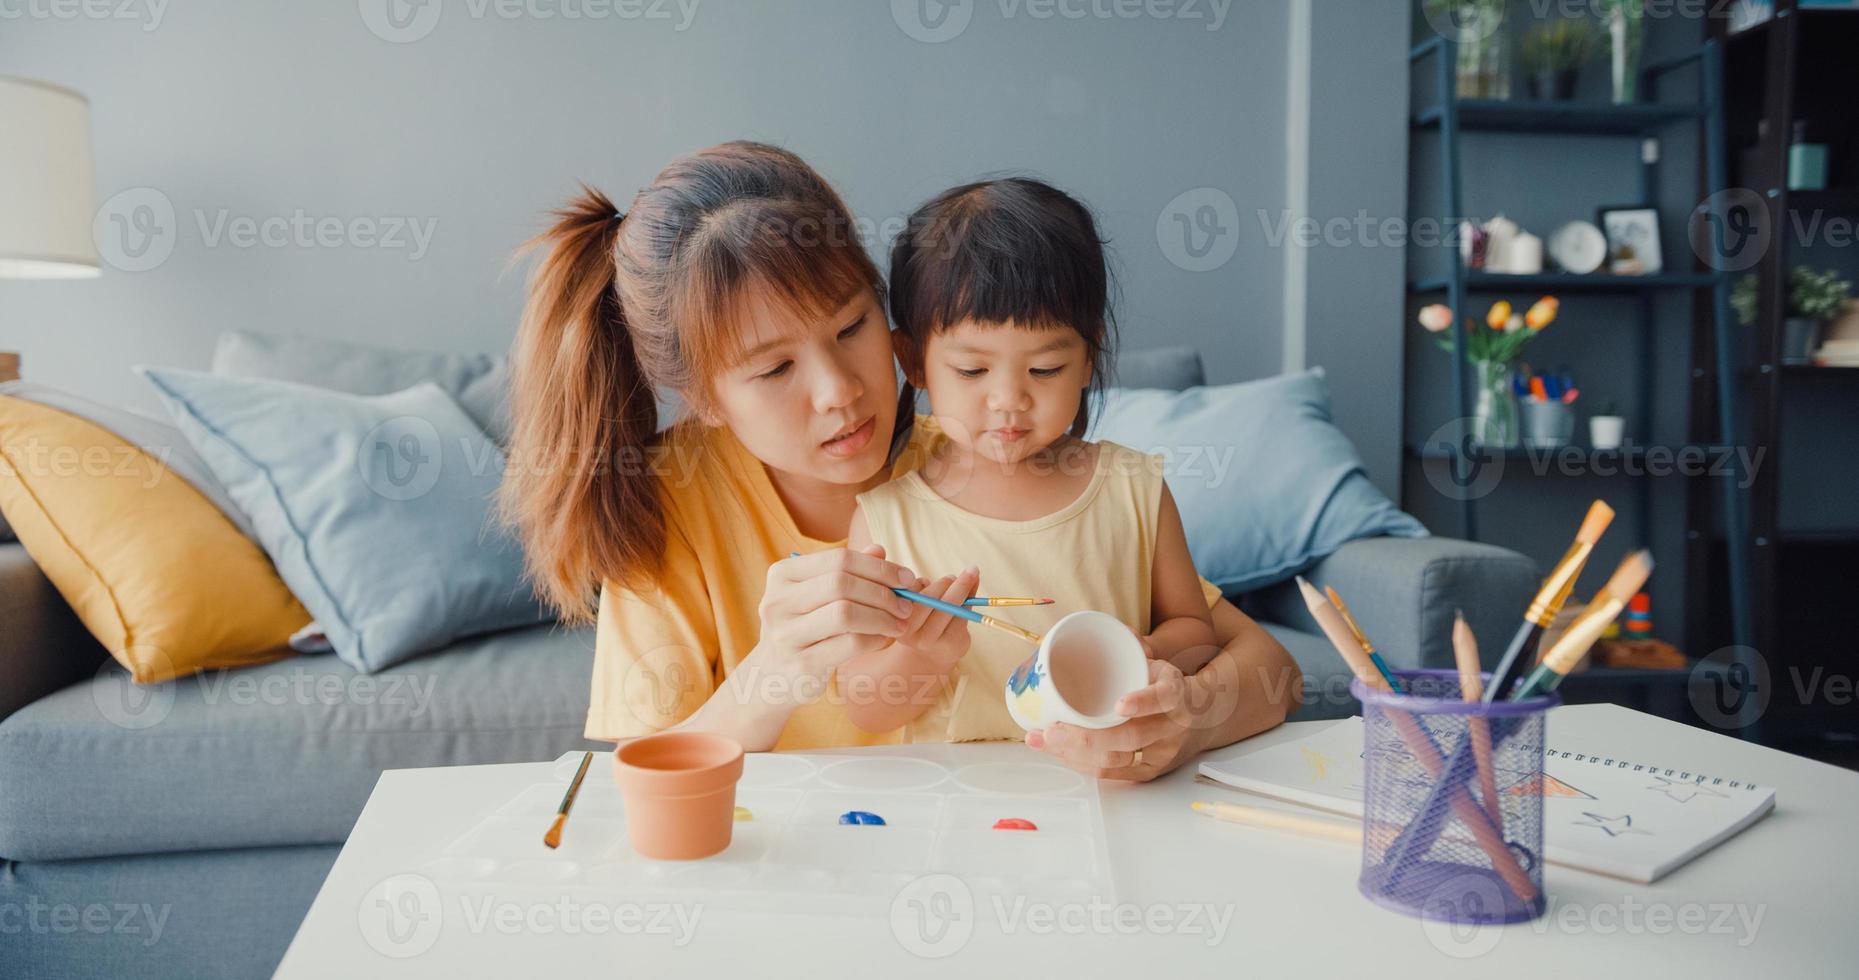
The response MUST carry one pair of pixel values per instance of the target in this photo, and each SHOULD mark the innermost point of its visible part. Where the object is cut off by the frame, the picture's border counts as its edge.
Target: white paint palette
(939, 804)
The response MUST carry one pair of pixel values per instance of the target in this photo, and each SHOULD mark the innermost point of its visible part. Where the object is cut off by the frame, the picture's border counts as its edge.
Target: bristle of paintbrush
(1632, 573)
(1595, 524)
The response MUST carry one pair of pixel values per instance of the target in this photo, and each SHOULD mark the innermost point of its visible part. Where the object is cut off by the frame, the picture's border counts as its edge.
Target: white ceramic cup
(1083, 665)
(1606, 431)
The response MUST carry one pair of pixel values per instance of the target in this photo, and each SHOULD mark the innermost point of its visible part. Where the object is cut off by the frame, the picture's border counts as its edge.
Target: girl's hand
(1164, 735)
(939, 638)
(820, 610)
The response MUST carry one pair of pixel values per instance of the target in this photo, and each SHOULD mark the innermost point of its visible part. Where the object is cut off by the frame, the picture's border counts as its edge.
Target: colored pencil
(1252, 816)
(1472, 688)
(553, 839)
(1548, 602)
(1362, 640)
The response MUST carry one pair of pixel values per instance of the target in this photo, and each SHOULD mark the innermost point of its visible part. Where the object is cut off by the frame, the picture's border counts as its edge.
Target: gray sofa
(184, 830)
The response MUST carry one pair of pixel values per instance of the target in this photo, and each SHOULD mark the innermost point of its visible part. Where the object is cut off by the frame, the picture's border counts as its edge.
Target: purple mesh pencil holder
(1453, 806)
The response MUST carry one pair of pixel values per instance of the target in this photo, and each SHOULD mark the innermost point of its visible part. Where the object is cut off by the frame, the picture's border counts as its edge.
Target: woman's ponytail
(577, 489)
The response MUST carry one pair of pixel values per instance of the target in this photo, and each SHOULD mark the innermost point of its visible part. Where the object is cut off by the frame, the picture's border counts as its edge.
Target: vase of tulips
(1491, 349)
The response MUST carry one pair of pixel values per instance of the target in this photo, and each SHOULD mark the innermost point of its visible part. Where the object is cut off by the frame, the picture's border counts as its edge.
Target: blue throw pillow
(1266, 483)
(375, 509)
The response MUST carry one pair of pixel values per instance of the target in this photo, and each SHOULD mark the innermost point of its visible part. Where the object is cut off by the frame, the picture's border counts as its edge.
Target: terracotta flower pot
(680, 792)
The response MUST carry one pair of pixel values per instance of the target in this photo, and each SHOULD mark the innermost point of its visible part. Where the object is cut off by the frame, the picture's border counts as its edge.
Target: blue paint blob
(861, 818)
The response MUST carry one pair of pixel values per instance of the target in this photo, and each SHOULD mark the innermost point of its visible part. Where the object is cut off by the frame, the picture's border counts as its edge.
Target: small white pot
(1607, 431)
(1083, 665)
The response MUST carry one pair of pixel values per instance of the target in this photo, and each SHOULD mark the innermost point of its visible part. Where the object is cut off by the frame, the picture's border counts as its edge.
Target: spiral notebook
(1629, 818)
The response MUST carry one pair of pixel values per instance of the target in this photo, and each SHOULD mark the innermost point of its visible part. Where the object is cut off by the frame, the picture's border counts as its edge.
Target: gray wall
(240, 110)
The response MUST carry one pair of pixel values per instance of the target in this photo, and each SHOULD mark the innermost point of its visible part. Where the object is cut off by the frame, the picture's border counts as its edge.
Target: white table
(1777, 900)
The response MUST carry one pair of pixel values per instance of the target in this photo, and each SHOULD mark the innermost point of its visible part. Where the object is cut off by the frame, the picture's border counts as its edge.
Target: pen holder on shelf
(1453, 804)
(1547, 424)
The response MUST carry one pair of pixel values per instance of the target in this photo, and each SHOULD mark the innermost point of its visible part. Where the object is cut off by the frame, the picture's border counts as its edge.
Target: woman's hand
(894, 686)
(939, 639)
(1160, 726)
(820, 610)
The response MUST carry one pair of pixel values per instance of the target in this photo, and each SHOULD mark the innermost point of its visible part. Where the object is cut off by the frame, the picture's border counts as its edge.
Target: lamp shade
(45, 199)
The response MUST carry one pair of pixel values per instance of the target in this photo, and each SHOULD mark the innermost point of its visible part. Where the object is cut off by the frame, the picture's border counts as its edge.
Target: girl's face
(1005, 392)
(816, 401)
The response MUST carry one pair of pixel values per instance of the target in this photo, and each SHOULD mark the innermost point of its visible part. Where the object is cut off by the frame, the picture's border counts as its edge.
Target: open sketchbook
(1629, 818)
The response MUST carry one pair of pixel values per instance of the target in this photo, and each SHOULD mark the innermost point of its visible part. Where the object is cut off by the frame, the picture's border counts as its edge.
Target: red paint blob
(1013, 823)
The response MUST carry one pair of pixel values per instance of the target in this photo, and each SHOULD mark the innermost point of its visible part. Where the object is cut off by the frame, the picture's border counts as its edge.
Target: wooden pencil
(1472, 689)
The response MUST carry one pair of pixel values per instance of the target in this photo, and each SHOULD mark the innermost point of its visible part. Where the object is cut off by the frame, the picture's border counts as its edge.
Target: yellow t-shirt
(1096, 552)
(658, 655)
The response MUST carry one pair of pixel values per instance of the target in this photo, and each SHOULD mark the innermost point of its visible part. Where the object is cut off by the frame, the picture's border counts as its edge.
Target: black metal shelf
(1832, 199)
(1815, 372)
(1560, 118)
(1819, 535)
(1567, 282)
(1713, 394)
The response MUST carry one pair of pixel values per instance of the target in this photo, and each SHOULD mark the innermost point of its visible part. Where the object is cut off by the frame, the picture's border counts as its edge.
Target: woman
(735, 280)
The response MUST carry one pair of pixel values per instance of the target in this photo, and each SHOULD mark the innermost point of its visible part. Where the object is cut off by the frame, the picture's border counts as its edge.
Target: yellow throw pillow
(153, 569)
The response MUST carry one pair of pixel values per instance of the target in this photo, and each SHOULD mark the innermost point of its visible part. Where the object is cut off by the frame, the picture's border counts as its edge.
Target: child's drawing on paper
(1683, 792)
(1613, 826)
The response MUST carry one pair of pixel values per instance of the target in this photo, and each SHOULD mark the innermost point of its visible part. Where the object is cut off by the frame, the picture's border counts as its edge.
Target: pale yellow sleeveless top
(1095, 553)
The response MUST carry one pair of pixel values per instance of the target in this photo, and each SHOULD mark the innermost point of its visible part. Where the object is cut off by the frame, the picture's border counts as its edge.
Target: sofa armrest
(43, 646)
(1403, 592)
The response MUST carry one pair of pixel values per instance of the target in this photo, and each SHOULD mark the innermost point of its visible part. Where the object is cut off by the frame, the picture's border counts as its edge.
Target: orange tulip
(1542, 314)
(1499, 315)
(1436, 317)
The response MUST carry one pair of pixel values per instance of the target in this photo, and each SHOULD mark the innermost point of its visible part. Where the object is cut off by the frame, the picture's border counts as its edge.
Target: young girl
(1000, 304)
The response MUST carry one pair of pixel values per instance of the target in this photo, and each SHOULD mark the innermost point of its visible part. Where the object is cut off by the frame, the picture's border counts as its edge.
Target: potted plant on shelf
(1491, 348)
(1814, 297)
(1552, 54)
(1625, 22)
(1483, 68)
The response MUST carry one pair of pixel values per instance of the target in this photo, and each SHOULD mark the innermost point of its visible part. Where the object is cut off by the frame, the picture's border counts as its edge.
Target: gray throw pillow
(475, 381)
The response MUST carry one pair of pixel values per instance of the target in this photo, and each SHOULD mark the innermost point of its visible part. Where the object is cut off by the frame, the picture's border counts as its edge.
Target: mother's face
(815, 400)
